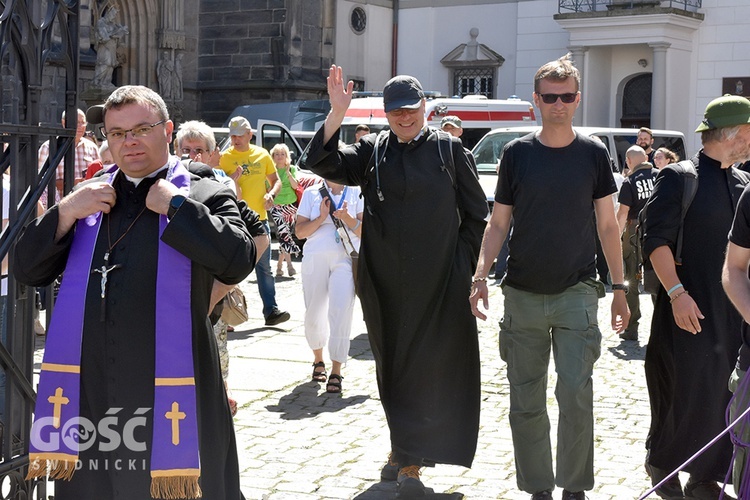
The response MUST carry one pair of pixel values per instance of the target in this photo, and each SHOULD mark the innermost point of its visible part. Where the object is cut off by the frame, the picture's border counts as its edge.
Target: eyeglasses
(120, 135)
(197, 151)
(567, 98)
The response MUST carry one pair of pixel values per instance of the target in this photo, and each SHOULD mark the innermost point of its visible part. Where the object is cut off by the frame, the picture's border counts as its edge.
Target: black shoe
(390, 469)
(277, 317)
(573, 495)
(542, 495)
(704, 490)
(409, 485)
(629, 334)
(670, 489)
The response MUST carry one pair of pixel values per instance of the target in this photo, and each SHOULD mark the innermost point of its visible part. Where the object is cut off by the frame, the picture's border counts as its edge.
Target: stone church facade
(204, 56)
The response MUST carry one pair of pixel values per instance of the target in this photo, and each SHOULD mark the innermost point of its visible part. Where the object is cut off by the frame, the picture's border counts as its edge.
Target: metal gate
(34, 35)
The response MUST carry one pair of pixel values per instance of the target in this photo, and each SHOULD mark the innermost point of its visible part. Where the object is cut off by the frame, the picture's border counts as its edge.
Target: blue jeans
(266, 283)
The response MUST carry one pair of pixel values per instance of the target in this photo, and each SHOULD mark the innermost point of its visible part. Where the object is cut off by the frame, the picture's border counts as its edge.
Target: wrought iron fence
(578, 6)
(33, 35)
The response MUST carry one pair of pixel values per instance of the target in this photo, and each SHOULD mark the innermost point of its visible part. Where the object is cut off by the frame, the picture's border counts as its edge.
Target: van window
(623, 142)
(348, 131)
(488, 151)
(273, 135)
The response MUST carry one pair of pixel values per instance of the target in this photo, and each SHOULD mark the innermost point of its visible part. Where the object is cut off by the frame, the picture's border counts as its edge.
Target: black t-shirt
(552, 191)
(636, 189)
(740, 236)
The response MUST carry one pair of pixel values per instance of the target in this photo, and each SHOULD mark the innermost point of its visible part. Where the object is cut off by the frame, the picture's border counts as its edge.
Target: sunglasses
(567, 98)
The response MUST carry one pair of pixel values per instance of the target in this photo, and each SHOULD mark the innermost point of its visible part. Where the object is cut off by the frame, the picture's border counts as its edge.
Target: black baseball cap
(402, 91)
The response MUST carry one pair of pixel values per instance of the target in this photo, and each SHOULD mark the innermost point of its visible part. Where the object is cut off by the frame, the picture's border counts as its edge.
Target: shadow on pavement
(307, 401)
(360, 348)
(244, 334)
(386, 490)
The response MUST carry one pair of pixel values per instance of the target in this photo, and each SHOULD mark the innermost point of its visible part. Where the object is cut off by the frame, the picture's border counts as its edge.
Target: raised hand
(339, 93)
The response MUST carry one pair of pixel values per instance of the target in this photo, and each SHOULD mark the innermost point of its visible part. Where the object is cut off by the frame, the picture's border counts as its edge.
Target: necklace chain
(109, 237)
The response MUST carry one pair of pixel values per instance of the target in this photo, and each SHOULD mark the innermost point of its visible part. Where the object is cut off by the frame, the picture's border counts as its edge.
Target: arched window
(636, 102)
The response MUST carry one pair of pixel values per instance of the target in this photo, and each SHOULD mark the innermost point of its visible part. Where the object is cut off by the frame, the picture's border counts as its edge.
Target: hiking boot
(390, 469)
(277, 317)
(409, 485)
(705, 490)
(670, 489)
(542, 495)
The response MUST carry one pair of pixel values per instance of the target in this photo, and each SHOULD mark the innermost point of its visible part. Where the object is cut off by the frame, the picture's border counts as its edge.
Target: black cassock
(687, 374)
(117, 357)
(416, 261)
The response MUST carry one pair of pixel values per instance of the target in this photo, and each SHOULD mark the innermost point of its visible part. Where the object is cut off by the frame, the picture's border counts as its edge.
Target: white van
(488, 150)
(618, 140)
(478, 115)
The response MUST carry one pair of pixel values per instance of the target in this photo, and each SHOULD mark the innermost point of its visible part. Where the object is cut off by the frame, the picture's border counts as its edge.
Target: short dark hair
(361, 127)
(558, 70)
(647, 130)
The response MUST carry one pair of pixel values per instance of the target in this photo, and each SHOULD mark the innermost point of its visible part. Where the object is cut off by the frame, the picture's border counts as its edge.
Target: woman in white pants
(327, 280)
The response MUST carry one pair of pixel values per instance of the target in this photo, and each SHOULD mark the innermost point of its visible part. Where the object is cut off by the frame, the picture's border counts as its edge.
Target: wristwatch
(175, 204)
(620, 286)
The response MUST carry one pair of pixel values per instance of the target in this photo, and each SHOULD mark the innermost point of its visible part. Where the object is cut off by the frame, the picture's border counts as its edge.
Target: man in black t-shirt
(737, 285)
(552, 183)
(634, 194)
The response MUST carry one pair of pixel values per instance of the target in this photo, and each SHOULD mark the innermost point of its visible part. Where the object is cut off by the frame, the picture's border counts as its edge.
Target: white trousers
(328, 287)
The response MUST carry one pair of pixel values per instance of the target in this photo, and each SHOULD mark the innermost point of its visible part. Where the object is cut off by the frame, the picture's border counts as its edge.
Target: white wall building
(656, 62)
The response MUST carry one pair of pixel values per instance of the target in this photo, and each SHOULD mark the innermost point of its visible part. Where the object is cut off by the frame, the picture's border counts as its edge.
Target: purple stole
(175, 459)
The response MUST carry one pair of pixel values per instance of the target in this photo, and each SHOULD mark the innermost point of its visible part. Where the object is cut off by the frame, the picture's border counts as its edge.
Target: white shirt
(324, 238)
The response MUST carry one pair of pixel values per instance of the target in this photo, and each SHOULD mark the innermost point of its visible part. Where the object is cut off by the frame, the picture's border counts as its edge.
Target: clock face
(359, 20)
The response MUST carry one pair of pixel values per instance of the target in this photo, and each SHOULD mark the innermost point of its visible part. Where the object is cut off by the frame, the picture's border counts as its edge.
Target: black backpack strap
(377, 157)
(445, 150)
(689, 173)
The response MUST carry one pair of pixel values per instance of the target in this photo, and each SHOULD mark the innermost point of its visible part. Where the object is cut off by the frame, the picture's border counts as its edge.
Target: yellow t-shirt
(256, 164)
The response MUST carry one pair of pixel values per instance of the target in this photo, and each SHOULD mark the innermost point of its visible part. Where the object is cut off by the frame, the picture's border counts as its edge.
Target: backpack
(689, 175)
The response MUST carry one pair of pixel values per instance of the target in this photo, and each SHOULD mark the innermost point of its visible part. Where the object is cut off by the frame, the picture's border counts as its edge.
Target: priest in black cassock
(130, 354)
(695, 330)
(422, 227)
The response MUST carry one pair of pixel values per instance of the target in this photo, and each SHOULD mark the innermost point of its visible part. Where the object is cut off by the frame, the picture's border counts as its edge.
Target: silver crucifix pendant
(104, 271)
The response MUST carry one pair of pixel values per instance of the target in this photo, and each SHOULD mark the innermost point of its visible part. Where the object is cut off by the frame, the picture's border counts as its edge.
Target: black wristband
(620, 286)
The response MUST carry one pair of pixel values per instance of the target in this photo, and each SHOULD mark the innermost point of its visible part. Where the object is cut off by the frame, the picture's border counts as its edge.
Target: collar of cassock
(175, 460)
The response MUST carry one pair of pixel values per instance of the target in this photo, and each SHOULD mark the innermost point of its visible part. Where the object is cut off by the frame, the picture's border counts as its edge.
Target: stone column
(579, 59)
(659, 85)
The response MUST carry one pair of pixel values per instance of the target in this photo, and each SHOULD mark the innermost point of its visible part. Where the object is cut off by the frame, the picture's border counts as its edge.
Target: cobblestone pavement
(297, 442)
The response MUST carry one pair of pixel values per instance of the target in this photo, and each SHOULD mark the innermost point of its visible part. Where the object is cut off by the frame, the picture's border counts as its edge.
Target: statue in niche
(165, 70)
(108, 34)
(177, 81)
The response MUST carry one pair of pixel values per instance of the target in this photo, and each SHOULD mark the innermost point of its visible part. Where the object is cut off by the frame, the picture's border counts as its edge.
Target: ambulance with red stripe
(478, 115)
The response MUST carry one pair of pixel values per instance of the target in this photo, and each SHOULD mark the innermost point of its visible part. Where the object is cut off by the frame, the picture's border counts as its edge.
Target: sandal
(334, 387)
(319, 375)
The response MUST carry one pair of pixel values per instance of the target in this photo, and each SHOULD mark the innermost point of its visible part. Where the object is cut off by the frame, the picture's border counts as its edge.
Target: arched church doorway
(636, 102)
